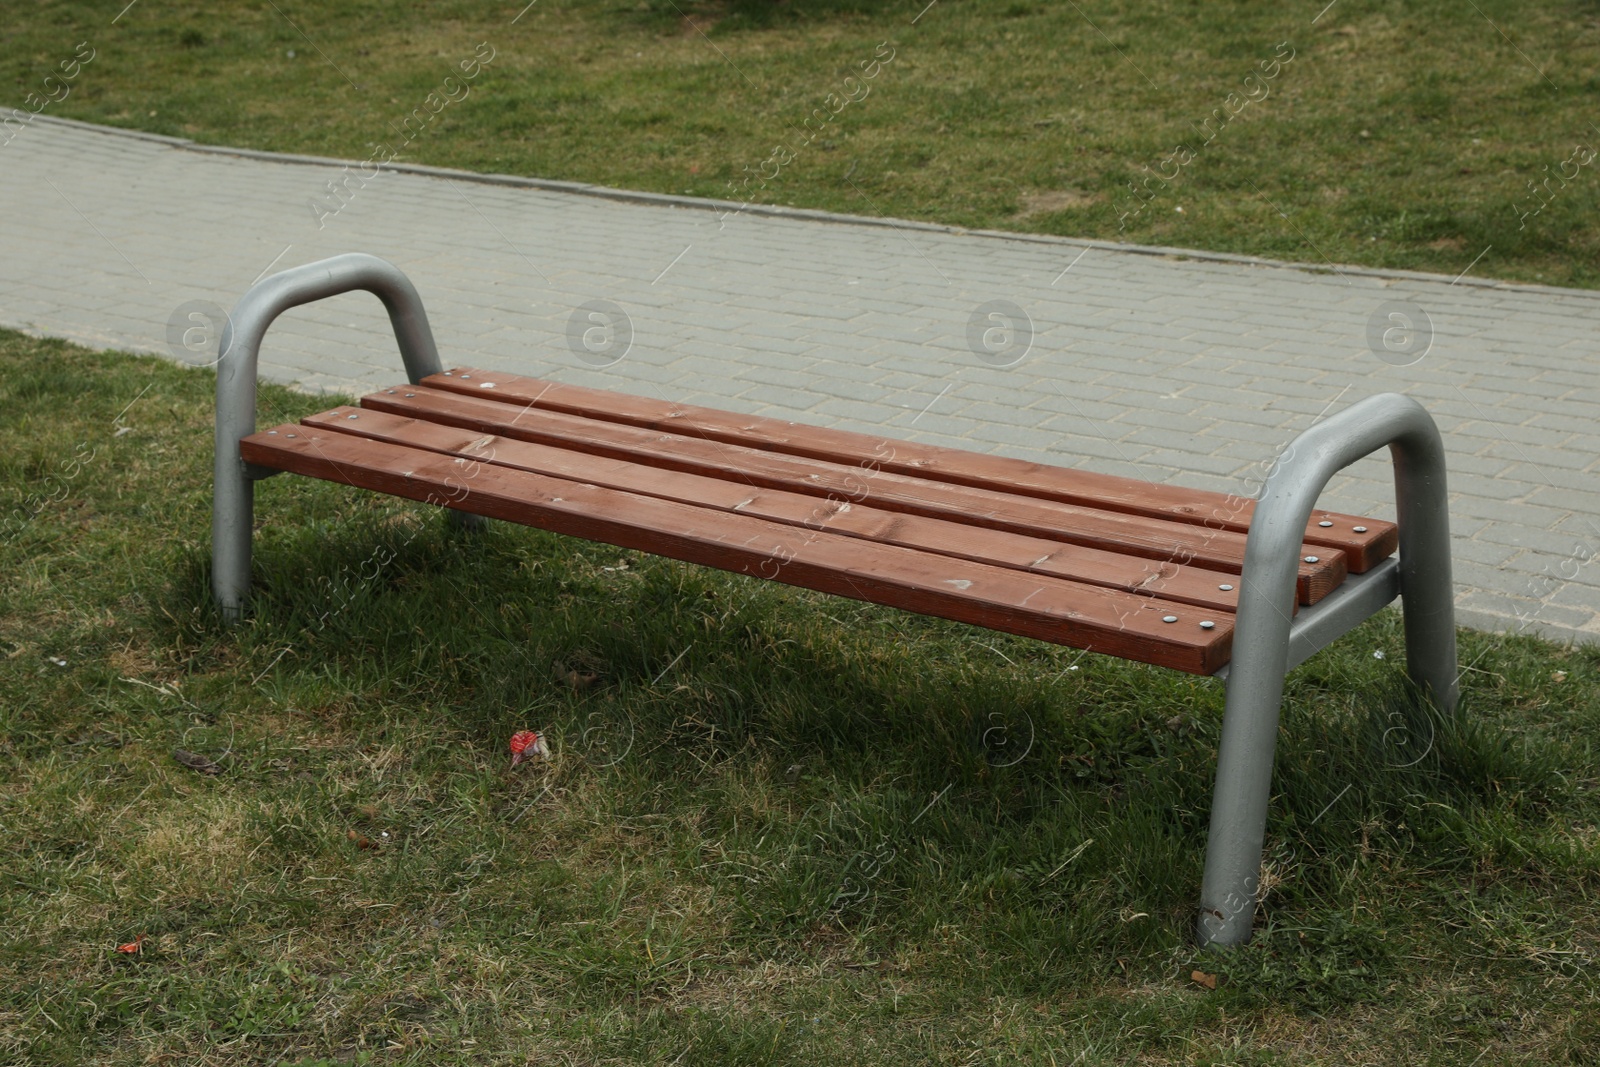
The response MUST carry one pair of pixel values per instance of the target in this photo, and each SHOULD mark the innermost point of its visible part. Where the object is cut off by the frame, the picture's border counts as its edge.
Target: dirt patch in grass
(1045, 203)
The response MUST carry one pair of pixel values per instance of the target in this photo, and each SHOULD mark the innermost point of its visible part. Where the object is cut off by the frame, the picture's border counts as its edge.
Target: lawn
(1429, 135)
(777, 828)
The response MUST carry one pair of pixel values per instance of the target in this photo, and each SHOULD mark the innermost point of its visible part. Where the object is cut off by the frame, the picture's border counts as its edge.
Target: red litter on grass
(528, 744)
(132, 947)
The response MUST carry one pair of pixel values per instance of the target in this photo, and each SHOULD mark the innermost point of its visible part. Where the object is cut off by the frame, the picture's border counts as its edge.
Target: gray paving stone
(1504, 490)
(1006, 434)
(1573, 379)
(1466, 463)
(1520, 614)
(1269, 419)
(1175, 442)
(1586, 504)
(1002, 415)
(1263, 439)
(1571, 592)
(632, 376)
(1167, 420)
(1077, 399)
(895, 383)
(792, 379)
(1540, 458)
(860, 377)
(1218, 466)
(1230, 396)
(952, 426)
(1212, 483)
(1546, 546)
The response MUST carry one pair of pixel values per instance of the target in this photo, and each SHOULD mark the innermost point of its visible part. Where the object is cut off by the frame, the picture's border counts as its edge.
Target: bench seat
(1209, 583)
(1113, 565)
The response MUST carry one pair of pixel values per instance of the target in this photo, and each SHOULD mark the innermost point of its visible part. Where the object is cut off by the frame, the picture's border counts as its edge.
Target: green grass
(778, 828)
(1402, 135)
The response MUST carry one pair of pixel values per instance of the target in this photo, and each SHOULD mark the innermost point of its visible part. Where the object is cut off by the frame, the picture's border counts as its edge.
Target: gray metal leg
(1266, 603)
(233, 503)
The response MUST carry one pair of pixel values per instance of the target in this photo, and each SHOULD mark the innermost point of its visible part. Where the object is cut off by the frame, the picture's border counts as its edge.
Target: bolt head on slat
(288, 435)
(1169, 618)
(1360, 529)
(1225, 587)
(1324, 523)
(466, 377)
(1311, 559)
(1208, 625)
(411, 394)
(485, 385)
(355, 416)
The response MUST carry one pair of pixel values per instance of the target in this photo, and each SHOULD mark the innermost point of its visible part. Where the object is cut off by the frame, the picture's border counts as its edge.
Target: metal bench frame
(1269, 637)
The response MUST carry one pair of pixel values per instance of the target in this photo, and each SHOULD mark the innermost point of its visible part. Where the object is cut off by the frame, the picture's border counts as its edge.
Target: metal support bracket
(1358, 598)
(233, 503)
(256, 472)
(1268, 639)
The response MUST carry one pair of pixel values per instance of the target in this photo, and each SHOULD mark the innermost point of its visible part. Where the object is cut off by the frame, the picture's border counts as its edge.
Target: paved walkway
(1145, 362)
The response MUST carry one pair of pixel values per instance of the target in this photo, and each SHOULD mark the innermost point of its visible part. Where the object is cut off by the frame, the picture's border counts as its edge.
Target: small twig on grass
(163, 690)
(269, 666)
(673, 664)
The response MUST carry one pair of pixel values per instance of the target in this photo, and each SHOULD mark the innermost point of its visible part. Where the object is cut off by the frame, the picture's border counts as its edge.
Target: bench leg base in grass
(1065, 556)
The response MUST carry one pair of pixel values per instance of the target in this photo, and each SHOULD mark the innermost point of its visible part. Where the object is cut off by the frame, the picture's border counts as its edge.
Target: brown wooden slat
(1186, 585)
(1038, 606)
(1108, 492)
(1152, 539)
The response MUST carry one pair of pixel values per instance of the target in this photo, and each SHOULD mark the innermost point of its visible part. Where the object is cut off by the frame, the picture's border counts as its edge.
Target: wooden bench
(1163, 575)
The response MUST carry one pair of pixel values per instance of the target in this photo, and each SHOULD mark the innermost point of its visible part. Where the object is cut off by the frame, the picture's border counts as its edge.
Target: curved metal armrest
(1266, 604)
(240, 347)
(1277, 530)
